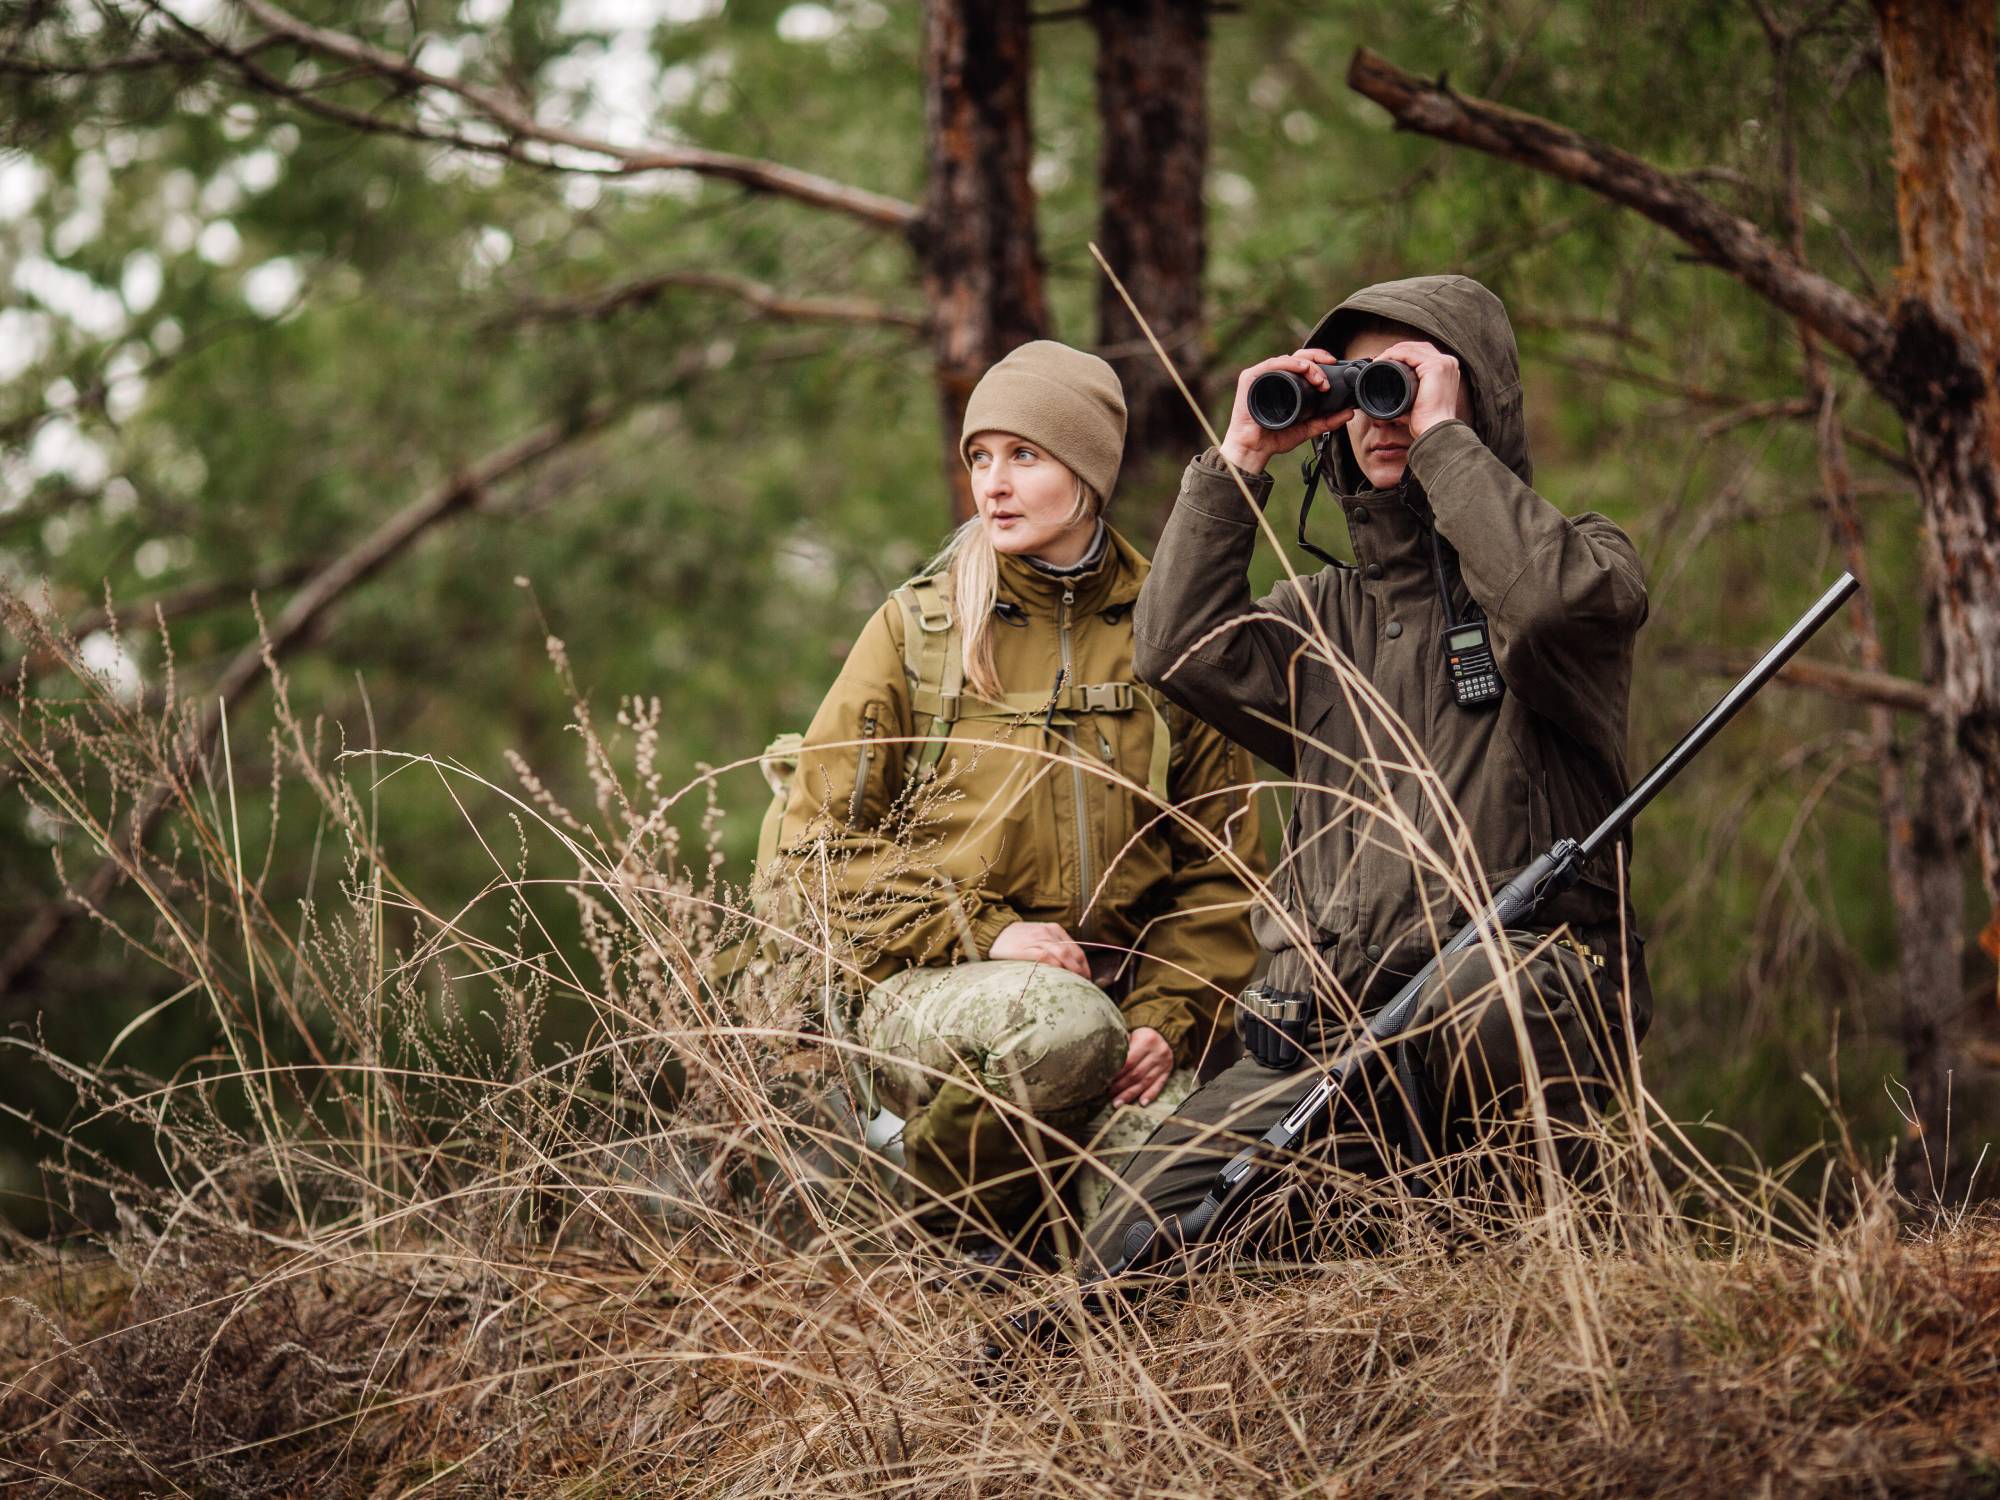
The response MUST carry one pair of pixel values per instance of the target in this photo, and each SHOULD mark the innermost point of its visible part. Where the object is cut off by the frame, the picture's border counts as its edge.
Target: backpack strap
(934, 662)
(1163, 749)
(779, 763)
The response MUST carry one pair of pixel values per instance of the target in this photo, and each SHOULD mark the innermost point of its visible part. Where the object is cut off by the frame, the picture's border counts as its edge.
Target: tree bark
(1926, 865)
(1938, 57)
(1923, 853)
(1152, 70)
(976, 241)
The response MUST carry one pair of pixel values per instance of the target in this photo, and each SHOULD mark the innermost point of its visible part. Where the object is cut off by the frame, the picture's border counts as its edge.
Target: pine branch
(768, 300)
(1717, 236)
(518, 125)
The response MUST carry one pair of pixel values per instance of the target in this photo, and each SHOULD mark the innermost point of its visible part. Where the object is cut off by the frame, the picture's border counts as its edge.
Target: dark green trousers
(1463, 1082)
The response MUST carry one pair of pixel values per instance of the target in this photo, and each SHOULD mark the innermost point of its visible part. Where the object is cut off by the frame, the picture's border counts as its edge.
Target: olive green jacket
(1563, 598)
(1037, 812)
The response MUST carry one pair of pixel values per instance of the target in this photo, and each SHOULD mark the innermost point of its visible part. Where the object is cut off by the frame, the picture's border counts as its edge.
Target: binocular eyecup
(1384, 388)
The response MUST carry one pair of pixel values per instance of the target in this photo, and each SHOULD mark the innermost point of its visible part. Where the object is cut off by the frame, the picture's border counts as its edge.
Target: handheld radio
(1468, 659)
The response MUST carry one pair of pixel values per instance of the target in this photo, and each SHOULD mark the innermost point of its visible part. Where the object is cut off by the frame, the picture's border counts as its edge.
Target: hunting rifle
(1147, 1244)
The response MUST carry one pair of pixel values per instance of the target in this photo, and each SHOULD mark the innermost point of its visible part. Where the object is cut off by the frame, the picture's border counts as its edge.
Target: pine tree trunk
(1944, 116)
(976, 243)
(1152, 76)
(1926, 825)
(1916, 785)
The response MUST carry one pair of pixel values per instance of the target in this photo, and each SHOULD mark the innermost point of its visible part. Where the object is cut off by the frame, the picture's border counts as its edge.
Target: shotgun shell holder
(1274, 1025)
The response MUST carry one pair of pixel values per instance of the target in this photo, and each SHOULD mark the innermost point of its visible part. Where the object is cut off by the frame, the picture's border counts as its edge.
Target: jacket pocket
(866, 805)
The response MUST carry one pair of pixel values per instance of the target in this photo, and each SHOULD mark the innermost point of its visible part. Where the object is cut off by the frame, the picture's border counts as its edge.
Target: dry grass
(1867, 1365)
(399, 1242)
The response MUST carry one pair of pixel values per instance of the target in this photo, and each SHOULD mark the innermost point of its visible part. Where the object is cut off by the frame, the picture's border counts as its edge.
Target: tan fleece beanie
(1058, 398)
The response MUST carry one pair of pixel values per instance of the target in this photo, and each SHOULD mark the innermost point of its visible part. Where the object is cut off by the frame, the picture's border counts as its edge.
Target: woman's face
(1027, 499)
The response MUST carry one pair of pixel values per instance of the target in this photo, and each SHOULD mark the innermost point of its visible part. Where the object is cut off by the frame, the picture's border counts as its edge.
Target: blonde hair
(975, 587)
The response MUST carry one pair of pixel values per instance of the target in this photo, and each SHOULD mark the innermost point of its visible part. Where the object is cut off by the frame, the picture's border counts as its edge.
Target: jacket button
(1358, 516)
(1375, 950)
(1373, 570)
(1393, 629)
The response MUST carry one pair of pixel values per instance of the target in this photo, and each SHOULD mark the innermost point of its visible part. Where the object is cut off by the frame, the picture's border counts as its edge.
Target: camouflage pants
(1001, 1071)
(1471, 1057)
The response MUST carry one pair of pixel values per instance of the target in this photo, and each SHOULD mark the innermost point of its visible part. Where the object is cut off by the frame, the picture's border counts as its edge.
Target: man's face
(1382, 449)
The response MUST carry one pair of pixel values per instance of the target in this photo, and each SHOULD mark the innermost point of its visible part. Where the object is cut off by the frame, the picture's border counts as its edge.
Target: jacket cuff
(1171, 1018)
(1209, 487)
(987, 926)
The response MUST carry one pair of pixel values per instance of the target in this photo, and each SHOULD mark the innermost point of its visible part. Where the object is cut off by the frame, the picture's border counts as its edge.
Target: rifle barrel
(1725, 709)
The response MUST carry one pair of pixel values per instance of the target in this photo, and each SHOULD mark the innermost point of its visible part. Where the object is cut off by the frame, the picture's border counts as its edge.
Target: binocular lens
(1384, 388)
(1278, 400)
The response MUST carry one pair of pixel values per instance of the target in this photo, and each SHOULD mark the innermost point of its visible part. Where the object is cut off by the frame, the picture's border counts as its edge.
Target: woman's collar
(1092, 559)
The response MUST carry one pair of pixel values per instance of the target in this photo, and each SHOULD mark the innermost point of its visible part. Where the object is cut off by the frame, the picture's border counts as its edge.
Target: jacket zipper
(1083, 870)
(861, 769)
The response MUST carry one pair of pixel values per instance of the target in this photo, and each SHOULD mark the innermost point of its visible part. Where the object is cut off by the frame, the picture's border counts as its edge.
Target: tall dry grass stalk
(502, 1191)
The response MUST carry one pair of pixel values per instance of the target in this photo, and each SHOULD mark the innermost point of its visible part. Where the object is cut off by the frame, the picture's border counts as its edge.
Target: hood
(1466, 320)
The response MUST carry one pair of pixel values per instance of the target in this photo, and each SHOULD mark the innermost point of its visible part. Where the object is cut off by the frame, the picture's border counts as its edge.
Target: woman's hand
(1149, 1062)
(1249, 446)
(1040, 943)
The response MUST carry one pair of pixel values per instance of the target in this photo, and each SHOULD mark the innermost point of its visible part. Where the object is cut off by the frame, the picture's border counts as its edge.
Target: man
(1515, 1042)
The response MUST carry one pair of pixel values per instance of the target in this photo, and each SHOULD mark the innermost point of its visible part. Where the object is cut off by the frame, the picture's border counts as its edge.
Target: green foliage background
(240, 336)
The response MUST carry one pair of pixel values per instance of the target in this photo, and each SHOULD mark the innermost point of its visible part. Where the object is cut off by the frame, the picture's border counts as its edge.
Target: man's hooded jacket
(1563, 598)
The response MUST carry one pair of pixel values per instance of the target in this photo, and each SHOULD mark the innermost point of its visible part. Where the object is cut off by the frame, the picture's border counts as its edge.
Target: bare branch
(296, 624)
(1735, 410)
(518, 124)
(1849, 684)
(1719, 237)
(16, 63)
(766, 299)
(196, 598)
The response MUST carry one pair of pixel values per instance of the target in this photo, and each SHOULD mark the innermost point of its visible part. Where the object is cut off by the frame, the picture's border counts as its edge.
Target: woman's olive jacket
(1038, 810)
(1563, 598)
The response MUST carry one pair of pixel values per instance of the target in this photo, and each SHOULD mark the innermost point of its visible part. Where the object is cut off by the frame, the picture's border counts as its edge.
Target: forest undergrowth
(509, 1191)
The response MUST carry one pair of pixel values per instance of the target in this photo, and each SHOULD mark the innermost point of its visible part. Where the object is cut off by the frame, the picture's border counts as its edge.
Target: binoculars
(1384, 388)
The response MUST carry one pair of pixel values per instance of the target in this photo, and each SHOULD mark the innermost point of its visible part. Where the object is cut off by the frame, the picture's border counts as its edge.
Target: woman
(979, 811)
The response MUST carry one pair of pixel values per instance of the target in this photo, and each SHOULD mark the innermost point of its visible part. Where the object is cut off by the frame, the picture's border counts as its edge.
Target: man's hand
(1249, 446)
(1149, 1062)
(1439, 385)
(1040, 943)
